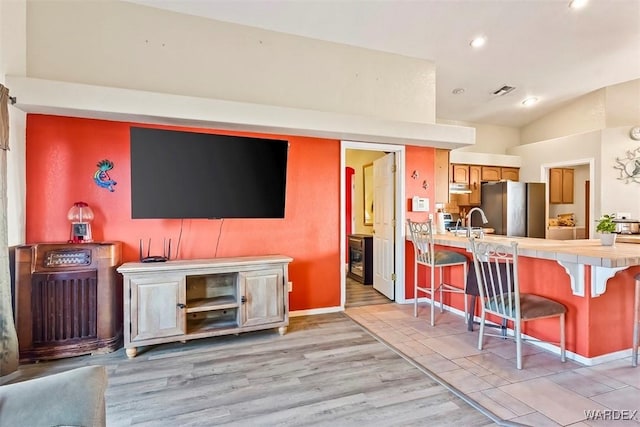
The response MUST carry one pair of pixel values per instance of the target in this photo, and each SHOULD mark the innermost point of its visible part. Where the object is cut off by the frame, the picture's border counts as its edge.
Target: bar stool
(636, 323)
(425, 254)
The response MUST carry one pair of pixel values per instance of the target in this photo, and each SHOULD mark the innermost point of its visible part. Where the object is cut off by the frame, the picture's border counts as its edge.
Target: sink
(478, 232)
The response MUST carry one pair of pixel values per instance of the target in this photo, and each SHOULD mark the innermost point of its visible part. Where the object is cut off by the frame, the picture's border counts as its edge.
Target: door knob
(180, 305)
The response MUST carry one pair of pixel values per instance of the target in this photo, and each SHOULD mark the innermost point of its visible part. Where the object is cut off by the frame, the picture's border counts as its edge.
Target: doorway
(376, 150)
(582, 207)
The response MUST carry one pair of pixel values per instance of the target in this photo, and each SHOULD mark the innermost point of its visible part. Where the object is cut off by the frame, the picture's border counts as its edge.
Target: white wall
(125, 45)
(13, 61)
(623, 104)
(618, 195)
(567, 151)
(585, 114)
(489, 138)
(609, 107)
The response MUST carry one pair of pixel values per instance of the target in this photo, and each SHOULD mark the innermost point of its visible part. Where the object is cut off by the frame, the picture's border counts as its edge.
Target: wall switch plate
(290, 286)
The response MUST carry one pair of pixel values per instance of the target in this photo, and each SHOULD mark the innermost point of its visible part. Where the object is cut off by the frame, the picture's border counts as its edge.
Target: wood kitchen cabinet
(511, 174)
(187, 299)
(474, 175)
(491, 173)
(496, 173)
(460, 173)
(561, 185)
(475, 184)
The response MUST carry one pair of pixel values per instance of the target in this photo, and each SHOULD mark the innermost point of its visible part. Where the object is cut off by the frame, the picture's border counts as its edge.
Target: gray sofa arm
(71, 398)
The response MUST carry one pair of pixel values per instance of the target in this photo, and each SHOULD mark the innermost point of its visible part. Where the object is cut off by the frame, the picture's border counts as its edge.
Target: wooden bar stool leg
(636, 332)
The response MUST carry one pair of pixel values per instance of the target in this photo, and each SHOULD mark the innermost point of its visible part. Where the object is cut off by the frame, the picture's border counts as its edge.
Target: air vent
(504, 90)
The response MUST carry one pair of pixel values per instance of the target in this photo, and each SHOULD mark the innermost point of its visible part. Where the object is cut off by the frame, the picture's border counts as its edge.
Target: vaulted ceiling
(542, 48)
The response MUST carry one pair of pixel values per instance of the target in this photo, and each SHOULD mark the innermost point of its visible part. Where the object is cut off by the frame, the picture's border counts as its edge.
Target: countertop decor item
(606, 228)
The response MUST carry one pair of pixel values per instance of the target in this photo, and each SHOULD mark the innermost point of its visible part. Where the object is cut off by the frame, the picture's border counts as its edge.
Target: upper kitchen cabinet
(491, 173)
(475, 181)
(511, 174)
(460, 174)
(561, 186)
(496, 173)
(471, 177)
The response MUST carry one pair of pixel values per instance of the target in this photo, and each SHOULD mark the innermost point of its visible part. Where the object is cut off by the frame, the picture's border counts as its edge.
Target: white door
(384, 225)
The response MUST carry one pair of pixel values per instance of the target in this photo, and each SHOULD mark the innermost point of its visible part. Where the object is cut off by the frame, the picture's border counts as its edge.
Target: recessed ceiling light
(458, 91)
(530, 101)
(478, 42)
(578, 4)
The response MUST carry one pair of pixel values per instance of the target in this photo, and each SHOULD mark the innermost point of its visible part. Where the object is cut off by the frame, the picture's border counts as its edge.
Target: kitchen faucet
(484, 221)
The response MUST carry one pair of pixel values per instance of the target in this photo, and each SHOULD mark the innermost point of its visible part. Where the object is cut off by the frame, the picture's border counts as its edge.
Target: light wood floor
(326, 370)
(360, 295)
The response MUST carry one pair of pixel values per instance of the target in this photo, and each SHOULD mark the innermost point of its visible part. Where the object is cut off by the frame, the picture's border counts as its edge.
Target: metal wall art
(629, 166)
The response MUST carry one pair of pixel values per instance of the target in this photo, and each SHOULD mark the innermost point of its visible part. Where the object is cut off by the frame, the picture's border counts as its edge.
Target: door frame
(590, 208)
(400, 214)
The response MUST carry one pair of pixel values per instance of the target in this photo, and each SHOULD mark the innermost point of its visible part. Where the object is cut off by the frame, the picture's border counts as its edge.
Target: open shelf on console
(216, 303)
(209, 292)
(212, 320)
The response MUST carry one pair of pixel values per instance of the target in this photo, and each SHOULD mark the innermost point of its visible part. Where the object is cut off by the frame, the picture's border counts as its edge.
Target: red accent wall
(61, 158)
(349, 173)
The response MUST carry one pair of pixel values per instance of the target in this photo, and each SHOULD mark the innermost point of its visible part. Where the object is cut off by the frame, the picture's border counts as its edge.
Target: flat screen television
(178, 174)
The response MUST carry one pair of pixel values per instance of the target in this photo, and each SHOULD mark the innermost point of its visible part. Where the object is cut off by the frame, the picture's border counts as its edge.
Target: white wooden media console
(187, 299)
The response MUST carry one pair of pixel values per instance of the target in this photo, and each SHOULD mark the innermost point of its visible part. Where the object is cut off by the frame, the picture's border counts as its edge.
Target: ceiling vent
(504, 90)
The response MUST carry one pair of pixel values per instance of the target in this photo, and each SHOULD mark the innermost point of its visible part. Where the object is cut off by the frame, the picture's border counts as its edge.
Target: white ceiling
(542, 47)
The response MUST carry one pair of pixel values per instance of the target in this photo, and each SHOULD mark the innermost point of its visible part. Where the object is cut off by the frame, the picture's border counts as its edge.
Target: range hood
(459, 188)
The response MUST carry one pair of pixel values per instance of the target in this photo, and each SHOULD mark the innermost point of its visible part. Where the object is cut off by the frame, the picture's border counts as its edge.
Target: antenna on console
(155, 258)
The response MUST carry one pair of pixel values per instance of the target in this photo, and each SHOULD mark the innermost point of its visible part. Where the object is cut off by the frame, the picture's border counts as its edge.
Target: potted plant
(606, 228)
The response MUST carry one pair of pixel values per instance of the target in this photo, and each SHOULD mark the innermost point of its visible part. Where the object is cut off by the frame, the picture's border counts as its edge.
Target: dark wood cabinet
(68, 299)
(361, 258)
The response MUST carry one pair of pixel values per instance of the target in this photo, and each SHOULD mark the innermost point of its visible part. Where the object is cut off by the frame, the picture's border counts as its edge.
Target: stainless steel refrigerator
(514, 208)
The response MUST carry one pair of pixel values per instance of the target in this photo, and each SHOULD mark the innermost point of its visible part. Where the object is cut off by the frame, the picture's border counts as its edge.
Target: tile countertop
(583, 251)
(628, 238)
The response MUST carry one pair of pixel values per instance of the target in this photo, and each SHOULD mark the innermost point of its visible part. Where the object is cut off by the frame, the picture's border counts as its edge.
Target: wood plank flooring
(326, 370)
(359, 295)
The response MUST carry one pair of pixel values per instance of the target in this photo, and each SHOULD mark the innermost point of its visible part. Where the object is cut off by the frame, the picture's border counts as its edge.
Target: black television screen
(177, 174)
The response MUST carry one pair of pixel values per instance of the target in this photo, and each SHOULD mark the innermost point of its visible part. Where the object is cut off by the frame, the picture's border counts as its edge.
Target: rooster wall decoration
(102, 178)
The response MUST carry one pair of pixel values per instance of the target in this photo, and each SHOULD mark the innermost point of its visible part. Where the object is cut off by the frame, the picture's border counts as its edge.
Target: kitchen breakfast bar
(596, 283)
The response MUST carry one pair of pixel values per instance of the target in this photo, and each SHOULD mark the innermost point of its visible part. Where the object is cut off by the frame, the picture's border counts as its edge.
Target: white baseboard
(314, 311)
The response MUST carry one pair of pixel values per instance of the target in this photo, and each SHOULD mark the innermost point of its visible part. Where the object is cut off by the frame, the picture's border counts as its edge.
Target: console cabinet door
(157, 307)
(262, 296)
